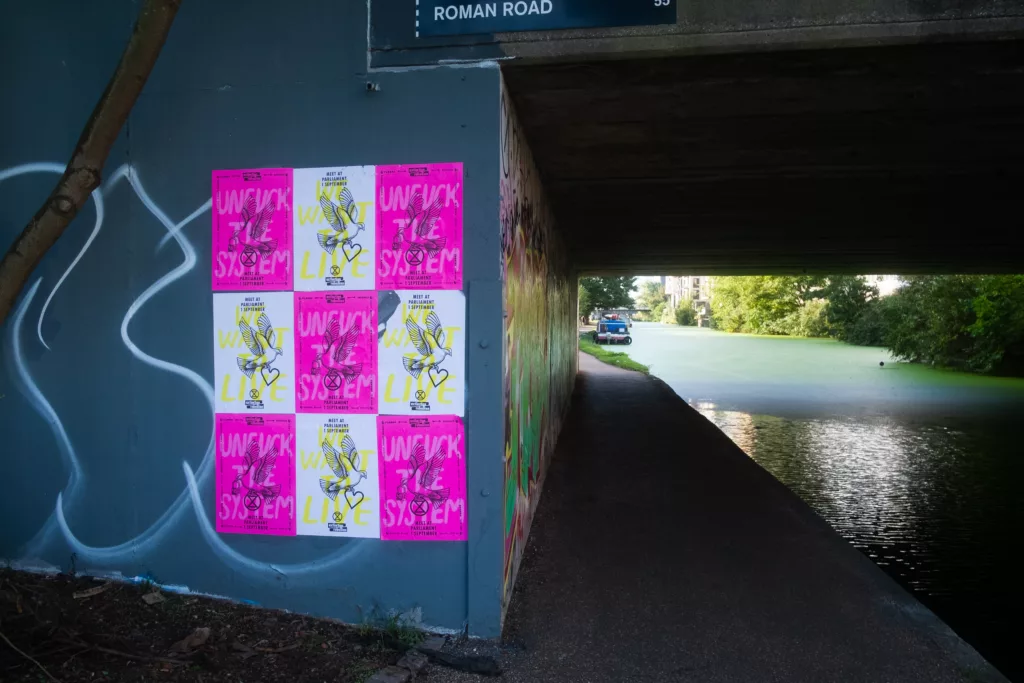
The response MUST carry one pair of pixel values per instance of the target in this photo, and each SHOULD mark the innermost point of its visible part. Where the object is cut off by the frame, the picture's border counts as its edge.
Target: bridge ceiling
(888, 159)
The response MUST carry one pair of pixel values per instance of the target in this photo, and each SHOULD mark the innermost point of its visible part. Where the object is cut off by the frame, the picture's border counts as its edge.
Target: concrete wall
(540, 335)
(105, 391)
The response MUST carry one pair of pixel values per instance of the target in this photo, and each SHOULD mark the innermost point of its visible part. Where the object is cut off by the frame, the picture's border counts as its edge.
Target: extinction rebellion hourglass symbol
(252, 501)
(332, 380)
(249, 257)
(414, 256)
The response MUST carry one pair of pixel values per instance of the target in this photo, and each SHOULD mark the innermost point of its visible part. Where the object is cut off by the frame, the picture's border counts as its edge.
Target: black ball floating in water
(881, 363)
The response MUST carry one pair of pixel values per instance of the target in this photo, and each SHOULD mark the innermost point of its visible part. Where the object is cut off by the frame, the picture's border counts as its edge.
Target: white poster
(254, 352)
(422, 352)
(334, 229)
(337, 487)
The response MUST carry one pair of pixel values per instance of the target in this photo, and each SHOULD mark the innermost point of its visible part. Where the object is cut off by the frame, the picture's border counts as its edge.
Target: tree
(652, 297)
(585, 303)
(83, 172)
(651, 294)
(849, 298)
(771, 304)
(758, 304)
(609, 292)
(975, 322)
(685, 315)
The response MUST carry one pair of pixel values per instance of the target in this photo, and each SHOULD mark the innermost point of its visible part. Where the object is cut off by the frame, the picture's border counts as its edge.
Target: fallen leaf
(79, 595)
(244, 649)
(192, 640)
(153, 598)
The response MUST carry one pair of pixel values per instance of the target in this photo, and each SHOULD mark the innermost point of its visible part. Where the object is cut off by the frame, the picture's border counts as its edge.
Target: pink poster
(422, 478)
(336, 361)
(419, 227)
(252, 230)
(256, 474)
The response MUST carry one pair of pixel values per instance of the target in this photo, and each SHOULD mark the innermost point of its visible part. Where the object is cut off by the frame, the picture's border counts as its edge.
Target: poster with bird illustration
(336, 476)
(336, 352)
(422, 478)
(254, 352)
(255, 474)
(334, 228)
(421, 353)
(419, 226)
(252, 230)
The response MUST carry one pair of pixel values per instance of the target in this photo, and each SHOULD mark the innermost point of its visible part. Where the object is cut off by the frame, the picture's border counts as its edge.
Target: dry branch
(82, 174)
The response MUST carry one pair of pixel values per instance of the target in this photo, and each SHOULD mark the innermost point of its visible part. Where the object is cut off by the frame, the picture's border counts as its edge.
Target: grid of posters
(336, 336)
(340, 351)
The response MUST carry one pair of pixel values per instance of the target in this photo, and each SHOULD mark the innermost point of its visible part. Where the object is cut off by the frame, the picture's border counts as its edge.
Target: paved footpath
(661, 552)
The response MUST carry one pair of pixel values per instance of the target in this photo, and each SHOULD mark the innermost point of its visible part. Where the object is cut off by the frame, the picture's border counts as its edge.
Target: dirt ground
(83, 629)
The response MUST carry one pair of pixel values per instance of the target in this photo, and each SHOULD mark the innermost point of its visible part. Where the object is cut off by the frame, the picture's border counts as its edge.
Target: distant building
(693, 290)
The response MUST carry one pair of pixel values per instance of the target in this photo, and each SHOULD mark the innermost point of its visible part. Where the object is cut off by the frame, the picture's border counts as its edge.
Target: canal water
(918, 468)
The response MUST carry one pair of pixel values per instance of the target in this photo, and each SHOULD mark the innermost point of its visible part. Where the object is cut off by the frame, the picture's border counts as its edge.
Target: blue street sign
(449, 18)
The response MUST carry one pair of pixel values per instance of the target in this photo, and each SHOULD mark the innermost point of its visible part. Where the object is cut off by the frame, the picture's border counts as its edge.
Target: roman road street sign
(448, 18)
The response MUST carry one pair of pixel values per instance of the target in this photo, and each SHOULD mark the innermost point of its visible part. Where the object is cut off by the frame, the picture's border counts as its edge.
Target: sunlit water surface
(917, 468)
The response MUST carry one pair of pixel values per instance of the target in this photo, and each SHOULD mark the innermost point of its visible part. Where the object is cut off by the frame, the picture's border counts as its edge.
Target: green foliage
(389, 632)
(792, 305)
(869, 327)
(652, 296)
(605, 355)
(762, 304)
(808, 320)
(586, 304)
(609, 292)
(975, 322)
(685, 315)
(849, 298)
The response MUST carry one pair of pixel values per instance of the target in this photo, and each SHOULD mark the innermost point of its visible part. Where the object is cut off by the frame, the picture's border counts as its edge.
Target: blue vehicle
(612, 332)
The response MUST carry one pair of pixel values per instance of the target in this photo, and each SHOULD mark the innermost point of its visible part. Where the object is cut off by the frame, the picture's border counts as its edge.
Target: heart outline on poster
(357, 496)
(274, 372)
(437, 376)
(352, 252)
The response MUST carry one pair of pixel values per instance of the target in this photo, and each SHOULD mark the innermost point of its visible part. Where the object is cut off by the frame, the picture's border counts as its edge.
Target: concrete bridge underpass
(734, 137)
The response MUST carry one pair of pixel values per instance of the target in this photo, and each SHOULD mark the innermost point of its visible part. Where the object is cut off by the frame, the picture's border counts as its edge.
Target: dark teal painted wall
(105, 398)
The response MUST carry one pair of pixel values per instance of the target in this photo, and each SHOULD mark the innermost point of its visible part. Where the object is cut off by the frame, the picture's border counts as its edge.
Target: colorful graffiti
(540, 337)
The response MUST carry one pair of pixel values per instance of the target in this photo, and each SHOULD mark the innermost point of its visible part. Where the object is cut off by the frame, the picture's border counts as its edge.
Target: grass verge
(606, 355)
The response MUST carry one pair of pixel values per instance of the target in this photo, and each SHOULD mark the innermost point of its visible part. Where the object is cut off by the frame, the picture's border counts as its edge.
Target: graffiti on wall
(540, 336)
(56, 536)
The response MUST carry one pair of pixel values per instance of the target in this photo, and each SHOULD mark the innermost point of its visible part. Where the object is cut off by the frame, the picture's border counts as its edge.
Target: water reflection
(935, 505)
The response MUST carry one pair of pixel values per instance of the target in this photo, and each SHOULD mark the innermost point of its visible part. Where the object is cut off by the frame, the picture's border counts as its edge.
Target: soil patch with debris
(64, 628)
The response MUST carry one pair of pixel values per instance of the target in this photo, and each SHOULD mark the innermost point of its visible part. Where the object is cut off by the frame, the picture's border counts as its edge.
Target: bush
(685, 315)
(807, 321)
(658, 312)
(869, 327)
(849, 297)
(975, 322)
